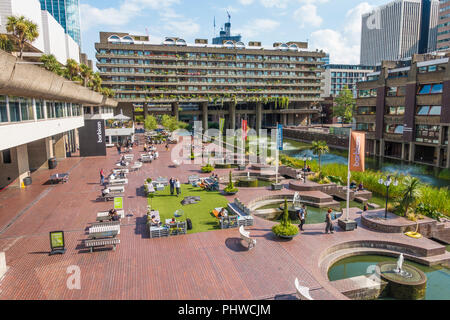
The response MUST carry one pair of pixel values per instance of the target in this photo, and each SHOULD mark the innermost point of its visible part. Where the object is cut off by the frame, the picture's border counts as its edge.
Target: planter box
(277, 186)
(347, 225)
(286, 237)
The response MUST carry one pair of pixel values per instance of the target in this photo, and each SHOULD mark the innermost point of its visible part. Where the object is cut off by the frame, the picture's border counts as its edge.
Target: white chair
(302, 292)
(245, 235)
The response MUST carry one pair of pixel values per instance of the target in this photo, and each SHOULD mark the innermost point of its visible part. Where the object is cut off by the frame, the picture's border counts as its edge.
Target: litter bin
(52, 163)
(27, 181)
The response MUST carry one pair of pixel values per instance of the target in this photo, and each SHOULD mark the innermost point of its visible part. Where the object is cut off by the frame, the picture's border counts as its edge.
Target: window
(367, 93)
(3, 109)
(40, 109)
(398, 110)
(6, 155)
(429, 111)
(366, 110)
(396, 92)
(365, 127)
(14, 111)
(394, 128)
(427, 133)
(430, 88)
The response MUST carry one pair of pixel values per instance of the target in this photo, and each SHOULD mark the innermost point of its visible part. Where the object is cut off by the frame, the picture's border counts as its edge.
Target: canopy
(121, 117)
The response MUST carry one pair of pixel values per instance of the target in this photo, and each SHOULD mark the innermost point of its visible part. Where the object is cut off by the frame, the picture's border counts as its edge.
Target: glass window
(6, 156)
(425, 89)
(423, 111)
(14, 109)
(40, 109)
(437, 88)
(3, 111)
(59, 110)
(435, 111)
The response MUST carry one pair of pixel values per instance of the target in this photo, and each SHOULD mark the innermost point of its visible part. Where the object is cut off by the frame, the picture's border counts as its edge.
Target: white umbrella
(121, 117)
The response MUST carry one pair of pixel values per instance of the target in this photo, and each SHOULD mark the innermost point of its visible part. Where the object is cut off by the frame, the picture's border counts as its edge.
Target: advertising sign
(118, 203)
(280, 137)
(357, 151)
(57, 244)
(92, 138)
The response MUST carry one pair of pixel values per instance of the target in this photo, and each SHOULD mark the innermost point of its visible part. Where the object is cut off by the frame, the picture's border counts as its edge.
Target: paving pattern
(209, 265)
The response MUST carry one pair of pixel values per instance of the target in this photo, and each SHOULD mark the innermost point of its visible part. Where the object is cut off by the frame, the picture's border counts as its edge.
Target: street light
(387, 183)
(304, 166)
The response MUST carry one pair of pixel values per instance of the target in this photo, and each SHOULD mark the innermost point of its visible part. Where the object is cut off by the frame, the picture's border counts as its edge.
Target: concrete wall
(72, 49)
(59, 146)
(14, 172)
(31, 9)
(330, 139)
(54, 37)
(38, 154)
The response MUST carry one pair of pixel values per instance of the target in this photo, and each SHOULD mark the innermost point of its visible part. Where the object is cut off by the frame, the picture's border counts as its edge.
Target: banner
(118, 203)
(357, 151)
(57, 240)
(221, 125)
(244, 130)
(280, 137)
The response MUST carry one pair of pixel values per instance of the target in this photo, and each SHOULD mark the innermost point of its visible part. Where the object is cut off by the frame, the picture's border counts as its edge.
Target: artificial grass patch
(199, 213)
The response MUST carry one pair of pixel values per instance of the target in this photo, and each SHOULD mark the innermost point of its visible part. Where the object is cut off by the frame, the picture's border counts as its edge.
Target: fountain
(294, 207)
(403, 280)
(247, 182)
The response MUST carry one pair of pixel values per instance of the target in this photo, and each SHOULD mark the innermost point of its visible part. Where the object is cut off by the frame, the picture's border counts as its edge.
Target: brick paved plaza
(208, 265)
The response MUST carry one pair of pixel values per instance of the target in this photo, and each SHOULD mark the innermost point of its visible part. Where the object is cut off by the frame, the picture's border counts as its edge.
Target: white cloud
(258, 26)
(275, 3)
(246, 2)
(307, 15)
(343, 45)
(178, 24)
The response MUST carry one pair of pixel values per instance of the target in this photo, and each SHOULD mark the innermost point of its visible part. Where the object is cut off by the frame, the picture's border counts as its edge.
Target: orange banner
(357, 151)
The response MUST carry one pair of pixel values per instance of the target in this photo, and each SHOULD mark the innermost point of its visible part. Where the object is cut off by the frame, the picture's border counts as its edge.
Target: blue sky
(331, 25)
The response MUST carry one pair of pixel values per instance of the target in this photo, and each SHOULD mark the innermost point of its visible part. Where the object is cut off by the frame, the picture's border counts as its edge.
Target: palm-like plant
(5, 43)
(410, 192)
(86, 74)
(72, 69)
(25, 31)
(319, 148)
(96, 82)
(51, 64)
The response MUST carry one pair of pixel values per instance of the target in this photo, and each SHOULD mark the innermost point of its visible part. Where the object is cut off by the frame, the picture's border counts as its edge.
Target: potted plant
(208, 168)
(230, 189)
(285, 229)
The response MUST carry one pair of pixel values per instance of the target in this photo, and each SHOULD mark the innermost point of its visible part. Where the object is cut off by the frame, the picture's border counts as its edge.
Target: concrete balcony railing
(365, 118)
(394, 119)
(395, 101)
(18, 78)
(429, 99)
(397, 137)
(430, 120)
(369, 101)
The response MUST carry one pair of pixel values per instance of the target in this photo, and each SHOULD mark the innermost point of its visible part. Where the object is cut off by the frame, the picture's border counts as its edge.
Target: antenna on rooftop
(214, 26)
(229, 17)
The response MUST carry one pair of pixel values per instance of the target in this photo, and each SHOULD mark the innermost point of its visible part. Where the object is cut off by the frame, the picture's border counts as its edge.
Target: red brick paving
(210, 265)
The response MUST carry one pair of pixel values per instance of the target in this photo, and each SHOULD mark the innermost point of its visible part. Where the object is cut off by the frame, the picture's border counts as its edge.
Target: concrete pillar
(438, 159)
(284, 119)
(382, 148)
(145, 106)
(258, 125)
(412, 150)
(403, 152)
(60, 146)
(23, 168)
(204, 115)
(232, 115)
(38, 154)
(175, 107)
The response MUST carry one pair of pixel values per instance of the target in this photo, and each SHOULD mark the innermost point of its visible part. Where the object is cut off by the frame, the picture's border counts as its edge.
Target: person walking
(172, 185)
(301, 217)
(118, 148)
(102, 177)
(167, 146)
(329, 222)
(178, 187)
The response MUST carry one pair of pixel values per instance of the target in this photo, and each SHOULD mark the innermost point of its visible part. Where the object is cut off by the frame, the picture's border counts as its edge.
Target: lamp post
(387, 183)
(304, 167)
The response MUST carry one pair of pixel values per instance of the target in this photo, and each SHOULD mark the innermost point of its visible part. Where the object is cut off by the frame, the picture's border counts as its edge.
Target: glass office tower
(67, 13)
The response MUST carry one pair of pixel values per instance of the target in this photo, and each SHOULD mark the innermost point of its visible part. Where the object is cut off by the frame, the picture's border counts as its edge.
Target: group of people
(175, 184)
(353, 186)
(303, 212)
(114, 215)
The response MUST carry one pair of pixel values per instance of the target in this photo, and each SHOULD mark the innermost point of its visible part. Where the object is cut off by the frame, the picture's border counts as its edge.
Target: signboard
(92, 138)
(280, 137)
(57, 244)
(244, 130)
(357, 151)
(118, 203)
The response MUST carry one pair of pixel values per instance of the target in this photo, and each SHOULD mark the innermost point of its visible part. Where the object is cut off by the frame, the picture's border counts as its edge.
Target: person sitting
(112, 212)
(308, 169)
(360, 187)
(105, 192)
(154, 221)
(173, 220)
(353, 185)
(222, 213)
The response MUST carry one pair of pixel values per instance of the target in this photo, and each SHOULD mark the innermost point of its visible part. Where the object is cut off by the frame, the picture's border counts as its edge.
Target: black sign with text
(92, 138)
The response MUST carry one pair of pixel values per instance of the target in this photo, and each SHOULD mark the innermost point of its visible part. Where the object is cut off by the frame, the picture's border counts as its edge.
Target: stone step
(360, 199)
(373, 206)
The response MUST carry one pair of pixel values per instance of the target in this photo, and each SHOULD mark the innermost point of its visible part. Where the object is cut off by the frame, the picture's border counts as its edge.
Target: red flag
(244, 129)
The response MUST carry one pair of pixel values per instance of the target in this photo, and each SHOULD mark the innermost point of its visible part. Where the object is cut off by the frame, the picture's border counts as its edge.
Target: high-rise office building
(338, 76)
(443, 35)
(67, 13)
(398, 30)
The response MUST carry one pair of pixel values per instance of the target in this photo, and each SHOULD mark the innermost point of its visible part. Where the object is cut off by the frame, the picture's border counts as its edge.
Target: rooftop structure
(225, 34)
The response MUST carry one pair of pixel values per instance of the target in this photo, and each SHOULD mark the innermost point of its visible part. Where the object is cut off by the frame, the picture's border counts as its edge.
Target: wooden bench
(104, 215)
(245, 235)
(91, 244)
(117, 182)
(302, 292)
(110, 196)
(105, 223)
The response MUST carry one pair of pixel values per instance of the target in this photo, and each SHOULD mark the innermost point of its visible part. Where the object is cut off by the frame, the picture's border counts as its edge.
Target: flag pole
(348, 173)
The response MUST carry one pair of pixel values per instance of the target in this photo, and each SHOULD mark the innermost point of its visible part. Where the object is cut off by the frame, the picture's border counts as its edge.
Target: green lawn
(199, 213)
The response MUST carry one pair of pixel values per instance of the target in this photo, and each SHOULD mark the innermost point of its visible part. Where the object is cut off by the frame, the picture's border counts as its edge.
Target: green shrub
(230, 188)
(208, 168)
(285, 228)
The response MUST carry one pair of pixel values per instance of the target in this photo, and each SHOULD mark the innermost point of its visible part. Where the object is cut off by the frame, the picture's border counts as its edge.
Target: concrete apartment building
(443, 35)
(398, 30)
(404, 108)
(337, 76)
(203, 81)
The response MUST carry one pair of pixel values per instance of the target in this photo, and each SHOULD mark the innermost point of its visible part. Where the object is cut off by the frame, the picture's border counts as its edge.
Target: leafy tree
(86, 74)
(410, 192)
(319, 148)
(150, 123)
(72, 70)
(24, 30)
(5, 43)
(51, 64)
(344, 106)
(97, 82)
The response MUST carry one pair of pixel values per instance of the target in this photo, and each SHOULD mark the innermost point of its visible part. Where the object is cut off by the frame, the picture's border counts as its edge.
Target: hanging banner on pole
(280, 137)
(244, 130)
(357, 151)
(221, 125)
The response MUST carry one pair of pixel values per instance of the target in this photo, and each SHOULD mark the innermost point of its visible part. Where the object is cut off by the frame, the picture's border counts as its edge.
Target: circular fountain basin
(410, 284)
(247, 182)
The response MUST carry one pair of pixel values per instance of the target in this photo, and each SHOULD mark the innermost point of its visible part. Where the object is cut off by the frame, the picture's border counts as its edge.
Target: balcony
(398, 119)
(397, 137)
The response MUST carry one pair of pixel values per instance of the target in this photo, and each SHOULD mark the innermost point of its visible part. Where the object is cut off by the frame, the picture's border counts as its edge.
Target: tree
(410, 192)
(5, 43)
(97, 82)
(51, 64)
(150, 123)
(345, 103)
(72, 70)
(86, 74)
(319, 148)
(24, 30)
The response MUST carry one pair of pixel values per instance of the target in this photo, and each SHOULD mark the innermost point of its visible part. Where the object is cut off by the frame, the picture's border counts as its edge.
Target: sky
(331, 25)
